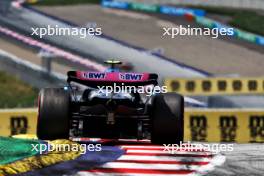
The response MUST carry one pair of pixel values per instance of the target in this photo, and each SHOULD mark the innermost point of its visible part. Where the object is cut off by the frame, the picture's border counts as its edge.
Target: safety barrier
(225, 125)
(18, 121)
(243, 4)
(164, 9)
(205, 125)
(216, 86)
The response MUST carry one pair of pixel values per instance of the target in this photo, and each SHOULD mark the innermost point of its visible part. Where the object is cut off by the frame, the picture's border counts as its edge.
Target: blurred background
(132, 31)
(224, 72)
(221, 78)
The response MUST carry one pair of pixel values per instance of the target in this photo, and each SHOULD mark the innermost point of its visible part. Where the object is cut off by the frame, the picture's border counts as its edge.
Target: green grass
(247, 20)
(66, 2)
(217, 10)
(15, 93)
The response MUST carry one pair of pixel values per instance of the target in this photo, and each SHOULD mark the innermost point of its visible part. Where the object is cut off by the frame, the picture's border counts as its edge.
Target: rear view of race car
(95, 112)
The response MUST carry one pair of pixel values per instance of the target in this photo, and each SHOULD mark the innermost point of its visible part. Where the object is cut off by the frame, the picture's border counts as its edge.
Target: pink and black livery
(88, 112)
(94, 79)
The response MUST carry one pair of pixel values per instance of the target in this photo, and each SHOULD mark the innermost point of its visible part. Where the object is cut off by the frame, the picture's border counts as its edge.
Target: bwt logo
(228, 127)
(18, 125)
(256, 125)
(93, 75)
(198, 128)
(130, 76)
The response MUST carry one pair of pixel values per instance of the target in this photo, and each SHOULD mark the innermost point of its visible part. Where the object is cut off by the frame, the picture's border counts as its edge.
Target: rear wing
(94, 79)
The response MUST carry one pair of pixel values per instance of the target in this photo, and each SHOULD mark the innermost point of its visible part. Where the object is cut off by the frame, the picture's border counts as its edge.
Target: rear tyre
(167, 119)
(54, 114)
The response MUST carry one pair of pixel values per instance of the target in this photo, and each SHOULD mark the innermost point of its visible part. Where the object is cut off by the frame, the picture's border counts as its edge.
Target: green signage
(144, 7)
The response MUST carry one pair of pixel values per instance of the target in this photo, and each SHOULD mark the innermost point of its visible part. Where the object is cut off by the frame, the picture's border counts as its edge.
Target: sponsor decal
(115, 4)
(222, 85)
(198, 125)
(228, 127)
(18, 125)
(94, 75)
(130, 76)
(216, 86)
(190, 86)
(256, 126)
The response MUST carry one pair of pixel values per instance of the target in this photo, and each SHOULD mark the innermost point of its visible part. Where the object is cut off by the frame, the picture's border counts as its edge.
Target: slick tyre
(54, 114)
(167, 119)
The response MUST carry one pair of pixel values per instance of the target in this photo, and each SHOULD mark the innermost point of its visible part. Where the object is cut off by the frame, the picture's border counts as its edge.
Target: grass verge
(248, 20)
(15, 93)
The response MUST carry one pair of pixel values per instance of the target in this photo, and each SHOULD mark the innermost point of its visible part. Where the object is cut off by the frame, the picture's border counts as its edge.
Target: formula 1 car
(92, 112)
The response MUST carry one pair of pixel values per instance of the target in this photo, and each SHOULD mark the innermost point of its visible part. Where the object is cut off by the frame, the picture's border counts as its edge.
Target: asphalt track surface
(30, 55)
(244, 160)
(99, 47)
(212, 55)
